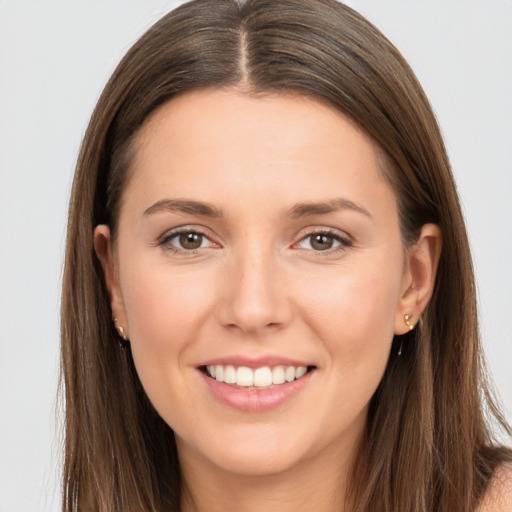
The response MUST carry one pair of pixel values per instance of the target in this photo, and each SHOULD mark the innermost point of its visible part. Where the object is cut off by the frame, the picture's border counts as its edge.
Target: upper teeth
(259, 377)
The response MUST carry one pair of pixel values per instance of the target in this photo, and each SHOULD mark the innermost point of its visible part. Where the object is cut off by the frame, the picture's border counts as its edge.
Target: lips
(255, 385)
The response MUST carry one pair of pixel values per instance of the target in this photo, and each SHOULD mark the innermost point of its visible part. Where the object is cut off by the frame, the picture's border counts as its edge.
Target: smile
(265, 377)
(255, 387)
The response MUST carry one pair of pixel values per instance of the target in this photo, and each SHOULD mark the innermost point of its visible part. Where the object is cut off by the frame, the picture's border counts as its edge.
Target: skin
(498, 497)
(258, 286)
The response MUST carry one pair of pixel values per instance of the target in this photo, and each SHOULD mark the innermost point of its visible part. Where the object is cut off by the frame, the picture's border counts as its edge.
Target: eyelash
(166, 240)
(345, 242)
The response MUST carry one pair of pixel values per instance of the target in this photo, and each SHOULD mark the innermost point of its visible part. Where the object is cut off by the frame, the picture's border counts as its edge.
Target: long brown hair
(428, 446)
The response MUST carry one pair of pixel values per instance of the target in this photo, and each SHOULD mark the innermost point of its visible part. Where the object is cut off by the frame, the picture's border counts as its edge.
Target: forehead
(209, 114)
(221, 144)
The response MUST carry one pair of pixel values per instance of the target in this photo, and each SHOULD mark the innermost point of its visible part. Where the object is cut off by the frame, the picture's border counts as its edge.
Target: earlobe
(104, 252)
(419, 279)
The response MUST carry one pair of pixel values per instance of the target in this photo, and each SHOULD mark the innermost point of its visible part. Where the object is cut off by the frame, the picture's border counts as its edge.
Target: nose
(253, 297)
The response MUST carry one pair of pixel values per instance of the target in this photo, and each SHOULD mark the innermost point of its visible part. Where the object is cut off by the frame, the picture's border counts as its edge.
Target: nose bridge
(253, 295)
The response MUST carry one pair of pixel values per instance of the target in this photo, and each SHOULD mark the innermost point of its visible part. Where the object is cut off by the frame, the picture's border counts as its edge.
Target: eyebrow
(323, 207)
(185, 206)
(297, 211)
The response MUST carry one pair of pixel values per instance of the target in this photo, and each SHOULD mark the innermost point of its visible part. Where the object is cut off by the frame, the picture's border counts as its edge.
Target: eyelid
(346, 241)
(164, 239)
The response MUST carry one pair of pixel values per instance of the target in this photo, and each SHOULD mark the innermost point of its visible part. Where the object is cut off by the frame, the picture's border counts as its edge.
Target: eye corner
(199, 241)
(334, 240)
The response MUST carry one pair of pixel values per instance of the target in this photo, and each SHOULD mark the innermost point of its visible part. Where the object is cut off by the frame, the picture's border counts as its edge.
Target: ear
(103, 248)
(420, 271)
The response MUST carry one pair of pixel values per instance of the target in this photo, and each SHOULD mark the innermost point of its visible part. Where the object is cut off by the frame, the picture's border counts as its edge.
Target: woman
(268, 296)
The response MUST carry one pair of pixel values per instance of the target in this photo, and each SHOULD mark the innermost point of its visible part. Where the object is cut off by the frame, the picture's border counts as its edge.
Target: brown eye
(324, 241)
(186, 242)
(321, 242)
(190, 241)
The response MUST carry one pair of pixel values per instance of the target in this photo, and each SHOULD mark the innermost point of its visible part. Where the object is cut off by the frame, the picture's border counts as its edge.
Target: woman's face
(258, 235)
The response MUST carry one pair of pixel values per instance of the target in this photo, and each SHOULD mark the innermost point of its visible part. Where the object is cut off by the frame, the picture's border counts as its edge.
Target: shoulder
(498, 496)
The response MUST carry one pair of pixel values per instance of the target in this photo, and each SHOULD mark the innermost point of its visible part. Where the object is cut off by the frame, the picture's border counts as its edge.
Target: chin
(248, 453)
(256, 463)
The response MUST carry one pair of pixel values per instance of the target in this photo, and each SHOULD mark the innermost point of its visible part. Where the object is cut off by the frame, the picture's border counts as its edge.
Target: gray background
(55, 57)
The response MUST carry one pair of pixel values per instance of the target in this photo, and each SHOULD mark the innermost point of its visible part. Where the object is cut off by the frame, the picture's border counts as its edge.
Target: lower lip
(255, 400)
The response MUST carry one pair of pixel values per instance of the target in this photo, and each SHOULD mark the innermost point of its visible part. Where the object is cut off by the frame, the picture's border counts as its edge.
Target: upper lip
(253, 362)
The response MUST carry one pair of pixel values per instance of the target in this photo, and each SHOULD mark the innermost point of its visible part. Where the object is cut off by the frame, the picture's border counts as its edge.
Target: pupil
(322, 242)
(191, 240)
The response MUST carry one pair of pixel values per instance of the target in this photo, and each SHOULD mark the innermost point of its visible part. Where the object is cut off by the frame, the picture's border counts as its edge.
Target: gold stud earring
(120, 330)
(409, 322)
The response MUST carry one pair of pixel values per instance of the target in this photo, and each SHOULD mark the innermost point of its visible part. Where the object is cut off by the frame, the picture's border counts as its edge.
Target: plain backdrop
(55, 57)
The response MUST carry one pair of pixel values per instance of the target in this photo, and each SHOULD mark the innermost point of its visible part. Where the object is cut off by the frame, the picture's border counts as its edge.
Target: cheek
(370, 305)
(165, 306)
(166, 311)
(353, 307)
(353, 318)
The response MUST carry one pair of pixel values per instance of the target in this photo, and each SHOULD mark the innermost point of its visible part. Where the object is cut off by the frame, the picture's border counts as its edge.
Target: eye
(324, 241)
(190, 240)
(186, 241)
